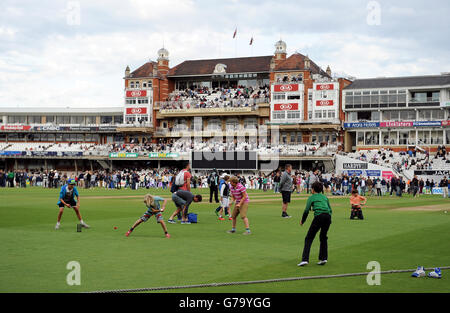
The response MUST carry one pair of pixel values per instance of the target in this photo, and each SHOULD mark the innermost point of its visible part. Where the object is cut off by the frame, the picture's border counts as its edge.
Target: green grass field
(399, 233)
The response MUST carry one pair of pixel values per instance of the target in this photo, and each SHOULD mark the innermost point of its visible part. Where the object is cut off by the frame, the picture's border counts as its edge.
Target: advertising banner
(354, 172)
(50, 128)
(72, 153)
(362, 125)
(358, 166)
(136, 93)
(285, 107)
(44, 153)
(432, 173)
(11, 152)
(323, 103)
(376, 173)
(324, 86)
(427, 123)
(163, 155)
(387, 175)
(15, 127)
(396, 124)
(437, 191)
(285, 88)
(136, 111)
(123, 155)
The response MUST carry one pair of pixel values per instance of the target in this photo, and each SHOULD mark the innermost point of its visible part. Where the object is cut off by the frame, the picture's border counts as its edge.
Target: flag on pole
(251, 41)
(235, 32)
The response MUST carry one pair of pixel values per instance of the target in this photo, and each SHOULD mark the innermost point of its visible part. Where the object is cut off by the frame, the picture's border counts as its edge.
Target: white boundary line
(259, 281)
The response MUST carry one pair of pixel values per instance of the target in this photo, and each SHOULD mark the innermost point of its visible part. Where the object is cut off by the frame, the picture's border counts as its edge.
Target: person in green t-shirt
(319, 203)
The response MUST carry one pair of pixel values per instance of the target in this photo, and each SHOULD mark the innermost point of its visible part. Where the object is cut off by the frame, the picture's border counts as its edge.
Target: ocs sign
(136, 111)
(325, 87)
(136, 93)
(324, 103)
(286, 88)
(285, 107)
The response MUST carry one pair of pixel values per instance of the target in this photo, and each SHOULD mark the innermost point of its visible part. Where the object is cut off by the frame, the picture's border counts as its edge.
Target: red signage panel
(15, 127)
(136, 111)
(324, 103)
(285, 88)
(136, 93)
(286, 107)
(396, 124)
(325, 87)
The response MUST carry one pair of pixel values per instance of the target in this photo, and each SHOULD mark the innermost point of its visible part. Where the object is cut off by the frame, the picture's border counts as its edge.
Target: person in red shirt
(187, 178)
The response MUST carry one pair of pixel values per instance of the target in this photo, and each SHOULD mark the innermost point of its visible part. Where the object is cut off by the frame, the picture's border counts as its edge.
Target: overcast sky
(74, 53)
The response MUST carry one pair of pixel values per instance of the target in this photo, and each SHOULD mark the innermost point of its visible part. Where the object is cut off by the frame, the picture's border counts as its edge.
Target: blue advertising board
(376, 173)
(356, 172)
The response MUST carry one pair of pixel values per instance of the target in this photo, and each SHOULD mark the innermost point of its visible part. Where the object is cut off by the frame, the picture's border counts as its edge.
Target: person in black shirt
(213, 181)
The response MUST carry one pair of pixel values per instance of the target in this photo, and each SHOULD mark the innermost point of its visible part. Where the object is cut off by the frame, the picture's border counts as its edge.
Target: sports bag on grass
(192, 218)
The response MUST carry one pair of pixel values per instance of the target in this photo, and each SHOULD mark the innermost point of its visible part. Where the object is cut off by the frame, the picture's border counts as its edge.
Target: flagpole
(235, 41)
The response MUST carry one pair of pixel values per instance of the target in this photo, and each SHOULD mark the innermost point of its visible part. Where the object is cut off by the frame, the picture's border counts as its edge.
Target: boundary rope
(275, 280)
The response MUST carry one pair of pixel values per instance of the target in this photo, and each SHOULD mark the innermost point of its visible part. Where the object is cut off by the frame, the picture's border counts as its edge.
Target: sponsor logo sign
(136, 93)
(325, 87)
(285, 88)
(286, 106)
(163, 155)
(71, 153)
(427, 123)
(322, 103)
(432, 173)
(362, 125)
(373, 173)
(354, 172)
(11, 152)
(437, 191)
(387, 175)
(123, 155)
(358, 166)
(15, 127)
(136, 111)
(48, 128)
(396, 124)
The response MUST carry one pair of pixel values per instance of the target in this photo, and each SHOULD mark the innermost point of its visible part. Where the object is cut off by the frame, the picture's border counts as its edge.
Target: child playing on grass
(240, 198)
(356, 201)
(153, 208)
(319, 203)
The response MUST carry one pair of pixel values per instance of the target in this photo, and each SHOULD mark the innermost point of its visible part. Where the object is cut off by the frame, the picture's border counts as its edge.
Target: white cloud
(7, 32)
(45, 62)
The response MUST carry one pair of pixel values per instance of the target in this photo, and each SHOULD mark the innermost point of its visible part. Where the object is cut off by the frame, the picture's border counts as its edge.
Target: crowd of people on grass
(336, 184)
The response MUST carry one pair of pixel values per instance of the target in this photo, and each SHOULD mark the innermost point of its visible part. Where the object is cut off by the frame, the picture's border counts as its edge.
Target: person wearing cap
(67, 199)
